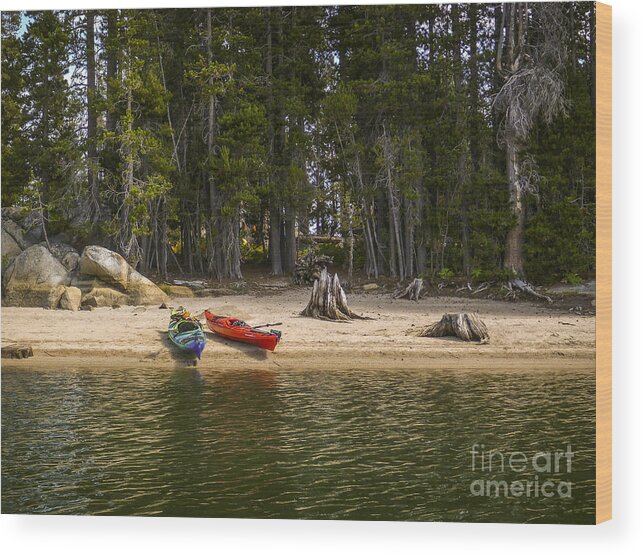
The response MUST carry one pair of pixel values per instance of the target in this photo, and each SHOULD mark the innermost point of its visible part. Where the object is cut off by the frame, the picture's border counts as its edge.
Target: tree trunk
(163, 239)
(421, 230)
(463, 176)
(513, 251)
(370, 238)
(463, 179)
(128, 182)
(291, 240)
(92, 156)
(109, 153)
(275, 240)
(395, 242)
(112, 49)
(409, 237)
(275, 208)
(372, 267)
(233, 253)
(347, 224)
(213, 225)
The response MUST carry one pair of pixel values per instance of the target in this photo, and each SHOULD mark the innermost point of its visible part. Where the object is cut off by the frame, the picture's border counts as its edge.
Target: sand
(523, 336)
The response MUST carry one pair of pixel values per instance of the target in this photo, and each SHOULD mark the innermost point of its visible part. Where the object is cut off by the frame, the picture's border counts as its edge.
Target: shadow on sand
(189, 359)
(254, 352)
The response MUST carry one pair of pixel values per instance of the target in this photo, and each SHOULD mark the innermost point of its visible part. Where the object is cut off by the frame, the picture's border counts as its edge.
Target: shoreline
(524, 336)
(335, 362)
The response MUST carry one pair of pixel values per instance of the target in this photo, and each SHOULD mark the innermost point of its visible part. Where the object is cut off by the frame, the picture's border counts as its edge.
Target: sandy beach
(523, 335)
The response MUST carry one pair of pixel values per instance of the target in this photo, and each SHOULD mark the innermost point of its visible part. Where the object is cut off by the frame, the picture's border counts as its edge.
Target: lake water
(374, 445)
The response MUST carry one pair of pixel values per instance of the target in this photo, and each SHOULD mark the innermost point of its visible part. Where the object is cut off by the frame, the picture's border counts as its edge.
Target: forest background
(451, 140)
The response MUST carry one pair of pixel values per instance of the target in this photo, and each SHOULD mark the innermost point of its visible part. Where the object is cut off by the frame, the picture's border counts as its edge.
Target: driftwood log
(328, 300)
(413, 291)
(466, 326)
(15, 351)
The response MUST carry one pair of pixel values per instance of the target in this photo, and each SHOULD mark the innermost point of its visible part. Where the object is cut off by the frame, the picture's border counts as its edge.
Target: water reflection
(354, 445)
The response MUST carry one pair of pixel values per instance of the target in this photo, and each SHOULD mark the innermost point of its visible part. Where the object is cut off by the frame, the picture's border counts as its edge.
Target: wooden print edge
(603, 262)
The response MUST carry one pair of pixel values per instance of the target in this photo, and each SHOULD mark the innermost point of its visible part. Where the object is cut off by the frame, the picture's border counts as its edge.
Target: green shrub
(446, 274)
(252, 253)
(572, 278)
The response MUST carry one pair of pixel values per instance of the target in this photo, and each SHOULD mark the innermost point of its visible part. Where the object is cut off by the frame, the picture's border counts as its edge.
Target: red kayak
(239, 331)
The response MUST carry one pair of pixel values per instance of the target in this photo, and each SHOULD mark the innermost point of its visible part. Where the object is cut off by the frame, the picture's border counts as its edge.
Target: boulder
(32, 276)
(70, 299)
(143, 291)
(112, 269)
(178, 291)
(10, 248)
(32, 223)
(104, 264)
(103, 297)
(66, 254)
(87, 283)
(70, 260)
(10, 228)
(53, 299)
(12, 213)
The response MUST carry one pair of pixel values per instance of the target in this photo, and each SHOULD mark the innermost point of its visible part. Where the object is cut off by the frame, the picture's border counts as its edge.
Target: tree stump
(526, 287)
(15, 351)
(328, 300)
(466, 326)
(412, 291)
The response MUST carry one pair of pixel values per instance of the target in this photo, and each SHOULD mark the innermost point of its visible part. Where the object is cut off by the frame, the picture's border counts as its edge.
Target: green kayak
(186, 332)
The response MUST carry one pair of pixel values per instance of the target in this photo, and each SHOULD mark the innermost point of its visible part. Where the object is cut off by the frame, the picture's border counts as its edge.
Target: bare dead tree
(530, 59)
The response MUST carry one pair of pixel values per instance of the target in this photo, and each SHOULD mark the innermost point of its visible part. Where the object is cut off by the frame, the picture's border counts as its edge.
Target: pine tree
(52, 113)
(15, 171)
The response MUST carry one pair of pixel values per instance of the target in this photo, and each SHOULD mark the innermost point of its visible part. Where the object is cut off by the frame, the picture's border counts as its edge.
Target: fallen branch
(466, 326)
(482, 287)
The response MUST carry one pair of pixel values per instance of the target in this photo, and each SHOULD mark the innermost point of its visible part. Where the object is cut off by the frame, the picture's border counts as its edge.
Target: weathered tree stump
(526, 287)
(328, 300)
(413, 291)
(466, 326)
(15, 351)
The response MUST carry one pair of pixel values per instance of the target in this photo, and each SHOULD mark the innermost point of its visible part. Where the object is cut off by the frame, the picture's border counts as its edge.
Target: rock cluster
(53, 274)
